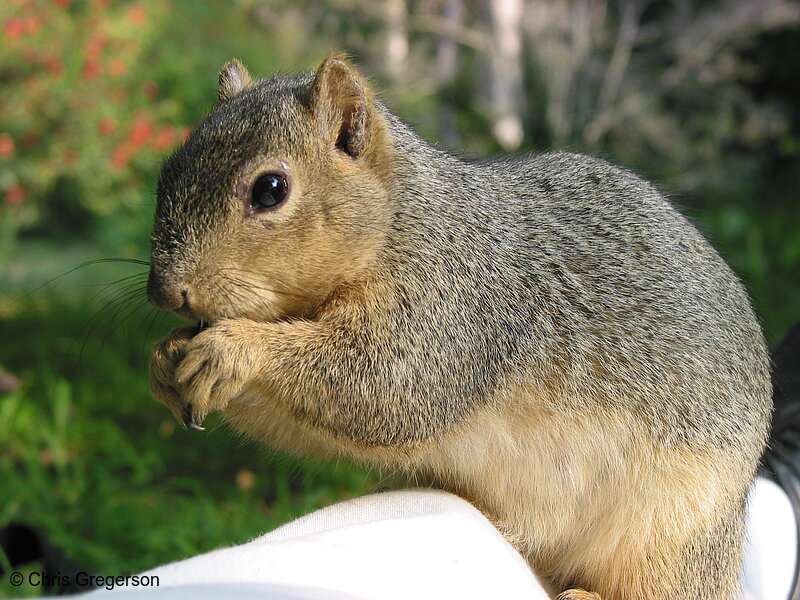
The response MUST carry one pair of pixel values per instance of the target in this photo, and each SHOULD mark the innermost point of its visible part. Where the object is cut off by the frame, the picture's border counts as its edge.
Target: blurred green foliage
(95, 93)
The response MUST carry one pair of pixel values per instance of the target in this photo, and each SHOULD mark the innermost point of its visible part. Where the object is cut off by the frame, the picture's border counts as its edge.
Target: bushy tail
(784, 438)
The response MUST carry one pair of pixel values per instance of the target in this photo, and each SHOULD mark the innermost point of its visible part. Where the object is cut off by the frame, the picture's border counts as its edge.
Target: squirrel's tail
(784, 437)
(781, 461)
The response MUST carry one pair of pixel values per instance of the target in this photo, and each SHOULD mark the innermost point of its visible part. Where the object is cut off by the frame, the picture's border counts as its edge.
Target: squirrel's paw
(164, 358)
(215, 368)
(578, 594)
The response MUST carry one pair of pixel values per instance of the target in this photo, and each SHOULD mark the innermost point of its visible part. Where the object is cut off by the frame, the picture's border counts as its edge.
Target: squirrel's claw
(188, 419)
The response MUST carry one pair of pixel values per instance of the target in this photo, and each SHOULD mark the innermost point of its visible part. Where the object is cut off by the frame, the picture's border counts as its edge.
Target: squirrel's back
(585, 270)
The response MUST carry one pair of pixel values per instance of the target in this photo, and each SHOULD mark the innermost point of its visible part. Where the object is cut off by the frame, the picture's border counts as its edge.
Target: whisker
(142, 276)
(88, 263)
(255, 286)
(153, 315)
(124, 303)
(105, 287)
(120, 300)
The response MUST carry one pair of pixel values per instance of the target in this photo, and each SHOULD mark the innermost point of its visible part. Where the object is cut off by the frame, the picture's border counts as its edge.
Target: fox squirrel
(545, 336)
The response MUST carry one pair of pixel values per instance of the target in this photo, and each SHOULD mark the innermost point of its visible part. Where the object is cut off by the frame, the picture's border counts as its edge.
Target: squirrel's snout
(164, 293)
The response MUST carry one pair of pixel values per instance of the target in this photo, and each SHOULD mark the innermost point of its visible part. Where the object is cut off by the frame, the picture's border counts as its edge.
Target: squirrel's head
(275, 200)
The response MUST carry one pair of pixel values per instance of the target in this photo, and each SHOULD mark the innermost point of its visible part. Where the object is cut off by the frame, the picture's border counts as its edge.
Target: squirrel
(545, 336)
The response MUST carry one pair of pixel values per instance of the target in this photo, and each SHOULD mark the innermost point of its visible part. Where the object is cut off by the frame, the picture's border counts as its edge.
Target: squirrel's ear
(343, 102)
(233, 78)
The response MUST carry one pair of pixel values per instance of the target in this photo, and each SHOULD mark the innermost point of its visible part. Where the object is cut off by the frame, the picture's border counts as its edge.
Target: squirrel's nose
(163, 292)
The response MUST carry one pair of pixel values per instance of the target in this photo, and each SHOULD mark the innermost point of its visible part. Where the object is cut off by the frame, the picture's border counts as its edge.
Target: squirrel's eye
(269, 191)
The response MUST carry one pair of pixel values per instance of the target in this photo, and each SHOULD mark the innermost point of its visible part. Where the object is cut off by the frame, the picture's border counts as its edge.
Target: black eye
(269, 190)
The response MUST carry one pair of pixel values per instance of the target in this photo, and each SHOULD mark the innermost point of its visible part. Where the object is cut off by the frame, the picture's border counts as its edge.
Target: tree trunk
(506, 72)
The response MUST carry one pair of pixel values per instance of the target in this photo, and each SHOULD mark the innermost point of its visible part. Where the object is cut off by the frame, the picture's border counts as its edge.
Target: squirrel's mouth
(198, 305)
(185, 312)
(195, 309)
(204, 317)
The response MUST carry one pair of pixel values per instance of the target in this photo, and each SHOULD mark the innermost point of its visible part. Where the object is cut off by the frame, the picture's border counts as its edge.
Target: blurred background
(702, 98)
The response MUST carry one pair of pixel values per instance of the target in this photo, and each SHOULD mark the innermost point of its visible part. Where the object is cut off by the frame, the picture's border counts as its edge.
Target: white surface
(419, 544)
(425, 545)
(770, 545)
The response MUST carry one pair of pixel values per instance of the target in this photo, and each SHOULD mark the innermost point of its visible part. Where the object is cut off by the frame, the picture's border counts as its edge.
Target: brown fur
(545, 336)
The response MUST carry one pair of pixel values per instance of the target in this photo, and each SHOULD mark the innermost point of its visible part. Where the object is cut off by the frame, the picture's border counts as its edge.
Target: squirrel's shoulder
(566, 171)
(572, 188)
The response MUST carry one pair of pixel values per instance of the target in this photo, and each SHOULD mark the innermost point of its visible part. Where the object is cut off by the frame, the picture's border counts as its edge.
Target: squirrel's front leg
(333, 375)
(165, 357)
(216, 365)
(233, 355)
